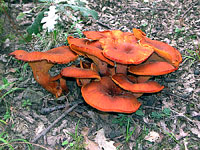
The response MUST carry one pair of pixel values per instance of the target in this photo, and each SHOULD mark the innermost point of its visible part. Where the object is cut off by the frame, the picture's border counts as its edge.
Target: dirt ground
(173, 113)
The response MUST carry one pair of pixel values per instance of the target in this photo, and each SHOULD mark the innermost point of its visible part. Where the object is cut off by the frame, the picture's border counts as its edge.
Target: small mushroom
(106, 96)
(41, 63)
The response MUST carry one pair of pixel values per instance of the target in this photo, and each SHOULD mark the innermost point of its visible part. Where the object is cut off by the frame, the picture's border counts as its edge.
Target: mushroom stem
(121, 68)
(40, 72)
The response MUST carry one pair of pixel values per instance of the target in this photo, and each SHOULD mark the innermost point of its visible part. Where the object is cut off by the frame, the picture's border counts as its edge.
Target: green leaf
(5, 81)
(156, 115)
(6, 143)
(85, 11)
(139, 113)
(36, 26)
(65, 143)
(167, 111)
(178, 30)
(2, 121)
(27, 37)
(20, 16)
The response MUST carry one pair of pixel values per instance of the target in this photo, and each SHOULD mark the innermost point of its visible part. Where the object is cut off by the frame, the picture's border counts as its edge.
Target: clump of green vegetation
(55, 22)
(192, 55)
(77, 143)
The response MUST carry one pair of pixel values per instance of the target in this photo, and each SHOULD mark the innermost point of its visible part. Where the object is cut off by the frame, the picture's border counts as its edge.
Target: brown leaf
(89, 145)
(102, 141)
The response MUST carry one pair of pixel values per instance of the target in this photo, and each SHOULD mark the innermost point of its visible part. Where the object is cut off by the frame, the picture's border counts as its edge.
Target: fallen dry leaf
(89, 145)
(152, 136)
(181, 134)
(195, 131)
(40, 128)
(101, 140)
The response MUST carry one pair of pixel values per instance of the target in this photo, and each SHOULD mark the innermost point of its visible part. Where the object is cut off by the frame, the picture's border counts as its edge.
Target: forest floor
(169, 119)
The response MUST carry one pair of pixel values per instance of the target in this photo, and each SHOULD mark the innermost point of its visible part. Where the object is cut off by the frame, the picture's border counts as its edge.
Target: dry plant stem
(56, 121)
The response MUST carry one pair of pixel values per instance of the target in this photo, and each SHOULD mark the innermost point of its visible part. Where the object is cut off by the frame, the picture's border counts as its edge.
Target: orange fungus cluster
(117, 69)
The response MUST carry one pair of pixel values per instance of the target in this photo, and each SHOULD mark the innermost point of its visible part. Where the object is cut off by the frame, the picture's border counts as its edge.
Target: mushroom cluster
(117, 68)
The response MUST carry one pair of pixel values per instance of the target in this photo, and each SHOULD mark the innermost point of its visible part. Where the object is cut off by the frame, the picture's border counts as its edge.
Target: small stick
(182, 115)
(103, 25)
(179, 97)
(56, 121)
(48, 110)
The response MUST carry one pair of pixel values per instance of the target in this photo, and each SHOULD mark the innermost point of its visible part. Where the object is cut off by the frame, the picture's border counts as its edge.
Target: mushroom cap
(123, 48)
(75, 72)
(87, 48)
(126, 84)
(60, 55)
(105, 95)
(164, 50)
(126, 53)
(152, 68)
(138, 33)
(97, 35)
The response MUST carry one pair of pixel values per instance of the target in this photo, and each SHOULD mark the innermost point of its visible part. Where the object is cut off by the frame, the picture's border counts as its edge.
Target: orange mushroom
(152, 68)
(97, 35)
(124, 49)
(155, 65)
(84, 65)
(126, 84)
(76, 72)
(84, 47)
(164, 50)
(138, 34)
(41, 62)
(101, 66)
(105, 95)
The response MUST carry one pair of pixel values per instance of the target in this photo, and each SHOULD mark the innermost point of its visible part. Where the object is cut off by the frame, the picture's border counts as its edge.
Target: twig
(56, 121)
(151, 107)
(48, 110)
(193, 4)
(182, 115)
(142, 8)
(168, 93)
(103, 25)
